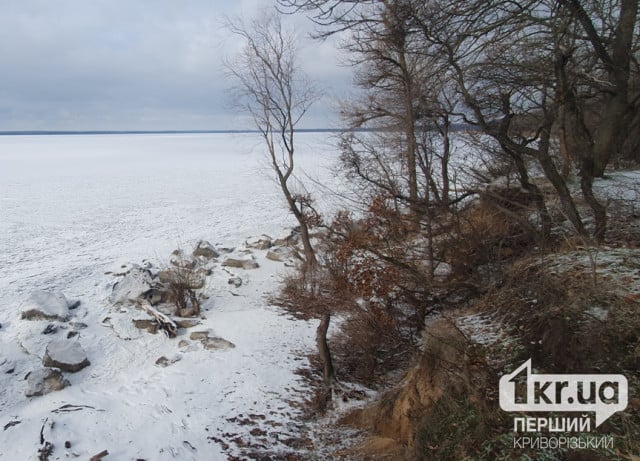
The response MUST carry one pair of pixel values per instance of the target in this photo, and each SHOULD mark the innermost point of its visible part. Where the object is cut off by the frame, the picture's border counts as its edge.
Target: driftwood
(164, 321)
(99, 456)
(328, 373)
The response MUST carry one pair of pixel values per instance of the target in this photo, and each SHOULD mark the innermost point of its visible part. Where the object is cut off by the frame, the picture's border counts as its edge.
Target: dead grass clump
(485, 234)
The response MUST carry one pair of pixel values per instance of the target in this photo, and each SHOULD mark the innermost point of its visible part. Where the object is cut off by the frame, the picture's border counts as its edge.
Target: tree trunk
(328, 373)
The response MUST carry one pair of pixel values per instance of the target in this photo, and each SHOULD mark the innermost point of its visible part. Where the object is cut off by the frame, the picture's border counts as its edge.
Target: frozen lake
(71, 206)
(75, 207)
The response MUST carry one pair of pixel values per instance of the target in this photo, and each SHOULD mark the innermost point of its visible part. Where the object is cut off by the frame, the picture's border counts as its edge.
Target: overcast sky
(134, 65)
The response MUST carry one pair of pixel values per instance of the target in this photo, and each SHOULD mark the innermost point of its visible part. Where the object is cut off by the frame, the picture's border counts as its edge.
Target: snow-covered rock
(240, 263)
(132, 287)
(235, 281)
(45, 305)
(262, 242)
(205, 250)
(45, 380)
(280, 254)
(218, 344)
(66, 355)
(211, 342)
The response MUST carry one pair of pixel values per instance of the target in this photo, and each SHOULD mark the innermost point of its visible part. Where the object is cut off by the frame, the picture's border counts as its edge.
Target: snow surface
(74, 208)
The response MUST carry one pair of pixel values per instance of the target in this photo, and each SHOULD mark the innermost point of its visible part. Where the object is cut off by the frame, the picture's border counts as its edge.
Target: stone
(280, 254)
(186, 323)
(218, 344)
(155, 296)
(199, 335)
(45, 380)
(66, 355)
(235, 281)
(262, 242)
(50, 329)
(146, 324)
(205, 250)
(165, 362)
(44, 305)
(132, 287)
(240, 263)
(75, 304)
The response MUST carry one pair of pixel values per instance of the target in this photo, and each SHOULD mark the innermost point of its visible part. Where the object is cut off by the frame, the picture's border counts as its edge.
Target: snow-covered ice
(75, 208)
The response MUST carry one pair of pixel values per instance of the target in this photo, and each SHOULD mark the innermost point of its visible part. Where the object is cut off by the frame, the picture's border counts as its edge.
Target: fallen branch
(99, 456)
(164, 322)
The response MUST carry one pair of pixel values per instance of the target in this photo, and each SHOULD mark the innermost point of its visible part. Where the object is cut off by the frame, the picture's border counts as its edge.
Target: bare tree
(270, 87)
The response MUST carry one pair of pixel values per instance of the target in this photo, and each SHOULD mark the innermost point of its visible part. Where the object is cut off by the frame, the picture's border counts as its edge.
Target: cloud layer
(118, 64)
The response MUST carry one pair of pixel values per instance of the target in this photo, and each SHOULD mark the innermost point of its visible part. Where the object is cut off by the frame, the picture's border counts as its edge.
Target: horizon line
(90, 132)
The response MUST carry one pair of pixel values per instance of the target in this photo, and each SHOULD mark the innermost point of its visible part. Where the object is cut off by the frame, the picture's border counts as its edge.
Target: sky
(138, 65)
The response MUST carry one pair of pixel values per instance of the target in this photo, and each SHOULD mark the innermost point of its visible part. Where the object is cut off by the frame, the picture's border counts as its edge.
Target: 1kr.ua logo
(528, 392)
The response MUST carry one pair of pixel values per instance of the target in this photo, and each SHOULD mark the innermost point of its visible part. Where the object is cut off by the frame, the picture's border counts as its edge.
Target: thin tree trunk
(328, 372)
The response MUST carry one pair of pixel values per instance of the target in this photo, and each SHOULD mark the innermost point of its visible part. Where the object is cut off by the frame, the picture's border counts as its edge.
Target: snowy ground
(73, 208)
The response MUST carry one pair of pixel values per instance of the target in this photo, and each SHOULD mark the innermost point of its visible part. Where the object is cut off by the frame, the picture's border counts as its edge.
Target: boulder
(205, 250)
(240, 263)
(262, 242)
(280, 254)
(66, 355)
(44, 381)
(133, 286)
(44, 305)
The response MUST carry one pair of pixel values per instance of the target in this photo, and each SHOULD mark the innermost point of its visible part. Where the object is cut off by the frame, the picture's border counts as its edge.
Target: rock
(155, 296)
(132, 287)
(240, 263)
(258, 243)
(288, 238)
(199, 335)
(183, 343)
(124, 328)
(210, 343)
(78, 325)
(50, 329)
(206, 250)
(280, 254)
(44, 305)
(218, 344)
(165, 362)
(44, 381)
(186, 323)
(235, 281)
(226, 250)
(146, 324)
(75, 304)
(66, 355)
(72, 334)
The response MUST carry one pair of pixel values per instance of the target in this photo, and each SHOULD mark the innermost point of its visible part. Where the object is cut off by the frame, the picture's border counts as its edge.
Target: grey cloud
(116, 64)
